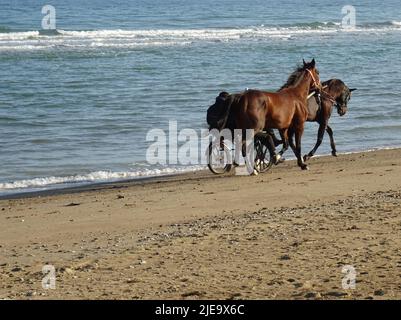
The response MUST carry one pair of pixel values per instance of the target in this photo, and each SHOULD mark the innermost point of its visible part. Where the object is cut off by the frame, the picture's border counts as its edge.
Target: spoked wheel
(219, 158)
(263, 159)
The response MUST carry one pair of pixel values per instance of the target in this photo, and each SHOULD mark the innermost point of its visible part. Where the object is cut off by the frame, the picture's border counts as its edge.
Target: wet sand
(286, 234)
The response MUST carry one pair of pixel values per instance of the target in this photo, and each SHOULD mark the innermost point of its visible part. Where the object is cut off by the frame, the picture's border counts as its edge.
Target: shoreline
(100, 185)
(285, 234)
(94, 186)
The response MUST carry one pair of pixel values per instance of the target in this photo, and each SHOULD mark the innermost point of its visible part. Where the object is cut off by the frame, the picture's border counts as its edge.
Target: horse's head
(339, 94)
(310, 67)
(343, 99)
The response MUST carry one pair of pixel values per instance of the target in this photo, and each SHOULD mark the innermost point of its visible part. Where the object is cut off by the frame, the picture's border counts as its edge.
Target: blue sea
(76, 105)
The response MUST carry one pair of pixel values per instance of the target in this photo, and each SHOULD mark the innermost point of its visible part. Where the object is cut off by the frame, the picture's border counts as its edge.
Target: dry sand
(281, 235)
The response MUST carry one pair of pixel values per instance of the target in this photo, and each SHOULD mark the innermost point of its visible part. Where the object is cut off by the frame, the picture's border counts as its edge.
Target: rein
(311, 94)
(315, 83)
(328, 97)
(321, 93)
(324, 93)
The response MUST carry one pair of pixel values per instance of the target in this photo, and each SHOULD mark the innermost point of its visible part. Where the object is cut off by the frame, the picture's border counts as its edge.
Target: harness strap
(313, 78)
(329, 97)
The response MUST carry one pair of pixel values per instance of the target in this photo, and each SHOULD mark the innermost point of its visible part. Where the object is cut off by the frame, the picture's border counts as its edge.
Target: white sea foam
(53, 182)
(33, 40)
(93, 177)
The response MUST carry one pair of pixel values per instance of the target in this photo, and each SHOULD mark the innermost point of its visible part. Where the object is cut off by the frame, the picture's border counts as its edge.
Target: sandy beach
(282, 235)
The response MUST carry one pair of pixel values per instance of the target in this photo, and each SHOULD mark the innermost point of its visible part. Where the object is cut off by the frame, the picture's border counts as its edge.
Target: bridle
(319, 94)
(315, 83)
(328, 96)
(332, 100)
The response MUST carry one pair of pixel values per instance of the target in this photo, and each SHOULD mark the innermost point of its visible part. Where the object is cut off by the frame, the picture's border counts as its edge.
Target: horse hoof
(304, 167)
(306, 157)
(334, 153)
(277, 158)
(254, 173)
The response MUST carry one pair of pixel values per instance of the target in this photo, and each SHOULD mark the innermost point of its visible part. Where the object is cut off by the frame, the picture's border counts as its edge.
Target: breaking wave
(93, 177)
(65, 39)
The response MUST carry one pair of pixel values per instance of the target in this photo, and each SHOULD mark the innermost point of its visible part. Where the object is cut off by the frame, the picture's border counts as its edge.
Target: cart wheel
(219, 158)
(263, 159)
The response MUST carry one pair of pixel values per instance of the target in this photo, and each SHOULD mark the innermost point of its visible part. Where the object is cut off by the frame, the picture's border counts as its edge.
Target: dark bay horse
(285, 110)
(334, 93)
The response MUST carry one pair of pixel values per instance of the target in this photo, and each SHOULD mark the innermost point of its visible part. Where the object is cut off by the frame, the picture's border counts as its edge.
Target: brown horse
(285, 110)
(320, 107)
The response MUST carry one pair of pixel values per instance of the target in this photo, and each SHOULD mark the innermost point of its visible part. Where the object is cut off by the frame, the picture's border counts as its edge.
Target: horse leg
(243, 144)
(291, 140)
(284, 137)
(332, 143)
(247, 155)
(298, 137)
(275, 140)
(320, 135)
(270, 144)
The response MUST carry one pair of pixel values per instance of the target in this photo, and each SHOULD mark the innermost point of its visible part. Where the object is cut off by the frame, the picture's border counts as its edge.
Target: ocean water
(75, 107)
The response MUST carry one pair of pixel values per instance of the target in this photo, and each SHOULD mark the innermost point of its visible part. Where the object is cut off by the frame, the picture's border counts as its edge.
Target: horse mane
(293, 78)
(335, 86)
